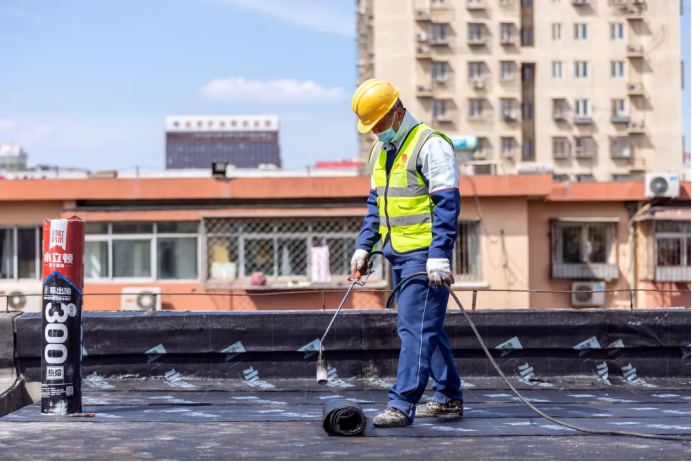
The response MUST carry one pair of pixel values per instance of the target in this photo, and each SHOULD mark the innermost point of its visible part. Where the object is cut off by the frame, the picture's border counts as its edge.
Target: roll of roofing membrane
(344, 418)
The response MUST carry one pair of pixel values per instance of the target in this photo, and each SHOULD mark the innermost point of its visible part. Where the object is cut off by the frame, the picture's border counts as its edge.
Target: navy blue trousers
(425, 349)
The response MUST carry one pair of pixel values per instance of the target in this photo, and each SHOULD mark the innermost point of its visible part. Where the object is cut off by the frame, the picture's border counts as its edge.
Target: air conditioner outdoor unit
(509, 116)
(634, 86)
(634, 48)
(632, 125)
(480, 168)
(633, 10)
(626, 153)
(441, 79)
(423, 50)
(422, 13)
(479, 84)
(140, 299)
(424, 88)
(661, 185)
(422, 37)
(23, 296)
(586, 293)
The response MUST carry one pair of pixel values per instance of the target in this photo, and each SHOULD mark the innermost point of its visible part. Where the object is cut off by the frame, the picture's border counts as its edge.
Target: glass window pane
(668, 251)
(26, 253)
(180, 227)
(177, 258)
(259, 256)
(132, 258)
(596, 242)
(96, 259)
(571, 244)
(222, 258)
(96, 228)
(6, 253)
(293, 257)
(133, 228)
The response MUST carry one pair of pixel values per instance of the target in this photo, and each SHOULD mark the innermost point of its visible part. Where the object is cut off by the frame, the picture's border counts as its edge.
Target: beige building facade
(583, 89)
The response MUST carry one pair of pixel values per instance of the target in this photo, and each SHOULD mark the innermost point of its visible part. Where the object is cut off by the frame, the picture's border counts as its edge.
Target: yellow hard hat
(373, 100)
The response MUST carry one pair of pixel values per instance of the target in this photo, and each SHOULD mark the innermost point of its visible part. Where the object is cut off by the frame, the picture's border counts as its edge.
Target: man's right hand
(361, 262)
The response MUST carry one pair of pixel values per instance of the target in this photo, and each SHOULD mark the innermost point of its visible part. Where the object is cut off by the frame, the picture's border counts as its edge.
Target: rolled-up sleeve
(439, 167)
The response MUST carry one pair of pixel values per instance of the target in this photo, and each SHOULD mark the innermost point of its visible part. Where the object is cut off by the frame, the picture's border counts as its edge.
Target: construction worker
(413, 207)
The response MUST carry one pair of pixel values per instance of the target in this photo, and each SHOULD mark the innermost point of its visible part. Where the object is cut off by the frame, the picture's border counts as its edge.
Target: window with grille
(583, 250)
(142, 250)
(527, 153)
(585, 178)
(439, 71)
(672, 251)
(20, 253)
(475, 108)
(467, 255)
(584, 146)
(483, 148)
(506, 70)
(277, 248)
(507, 108)
(438, 33)
(439, 109)
(476, 70)
(620, 147)
(476, 32)
(560, 147)
(506, 35)
(559, 108)
(507, 146)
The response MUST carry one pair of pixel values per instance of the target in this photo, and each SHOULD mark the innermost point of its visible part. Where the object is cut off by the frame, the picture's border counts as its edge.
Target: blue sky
(88, 83)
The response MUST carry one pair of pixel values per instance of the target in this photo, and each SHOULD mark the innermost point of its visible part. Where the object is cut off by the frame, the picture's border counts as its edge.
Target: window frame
(583, 270)
(581, 31)
(153, 239)
(557, 70)
(473, 240)
(15, 256)
(557, 31)
(618, 70)
(671, 273)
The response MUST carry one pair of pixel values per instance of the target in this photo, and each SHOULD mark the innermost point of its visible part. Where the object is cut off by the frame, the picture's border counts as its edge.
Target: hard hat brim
(362, 128)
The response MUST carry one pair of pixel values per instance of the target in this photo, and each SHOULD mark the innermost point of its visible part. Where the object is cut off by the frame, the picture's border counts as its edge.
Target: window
(467, 252)
(557, 69)
(527, 153)
(475, 108)
(526, 3)
(476, 33)
(439, 109)
(506, 35)
(20, 253)
(583, 249)
(527, 73)
(527, 110)
(483, 149)
(438, 33)
(506, 70)
(439, 71)
(527, 36)
(560, 147)
(557, 31)
(581, 69)
(617, 31)
(581, 31)
(507, 147)
(621, 177)
(476, 70)
(619, 108)
(581, 108)
(560, 178)
(588, 178)
(507, 108)
(559, 109)
(672, 251)
(277, 248)
(620, 147)
(142, 250)
(617, 69)
(584, 147)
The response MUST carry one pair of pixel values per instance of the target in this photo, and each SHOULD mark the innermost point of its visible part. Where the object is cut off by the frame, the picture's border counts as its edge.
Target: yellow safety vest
(403, 199)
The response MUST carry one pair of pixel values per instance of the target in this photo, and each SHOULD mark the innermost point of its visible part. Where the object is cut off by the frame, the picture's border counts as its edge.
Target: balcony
(635, 128)
(582, 120)
(424, 91)
(581, 2)
(508, 40)
(635, 89)
(438, 41)
(510, 116)
(478, 83)
(621, 153)
(635, 51)
(475, 4)
(560, 115)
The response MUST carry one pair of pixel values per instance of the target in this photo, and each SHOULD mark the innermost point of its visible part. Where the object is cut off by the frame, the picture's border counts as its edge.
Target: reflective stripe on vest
(406, 210)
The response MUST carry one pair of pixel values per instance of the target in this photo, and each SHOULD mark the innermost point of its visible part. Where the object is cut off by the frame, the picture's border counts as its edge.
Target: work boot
(391, 417)
(454, 408)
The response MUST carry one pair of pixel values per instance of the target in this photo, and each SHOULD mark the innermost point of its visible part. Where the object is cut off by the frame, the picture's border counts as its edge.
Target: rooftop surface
(158, 422)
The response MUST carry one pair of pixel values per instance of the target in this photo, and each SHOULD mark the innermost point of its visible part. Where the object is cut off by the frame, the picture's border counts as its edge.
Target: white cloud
(328, 16)
(272, 91)
(6, 124)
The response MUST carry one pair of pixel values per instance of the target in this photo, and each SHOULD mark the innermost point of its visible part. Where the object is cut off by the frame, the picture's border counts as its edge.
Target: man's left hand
(439, 272)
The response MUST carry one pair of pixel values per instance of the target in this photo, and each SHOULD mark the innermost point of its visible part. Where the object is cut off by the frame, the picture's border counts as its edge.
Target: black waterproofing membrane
(344, 418)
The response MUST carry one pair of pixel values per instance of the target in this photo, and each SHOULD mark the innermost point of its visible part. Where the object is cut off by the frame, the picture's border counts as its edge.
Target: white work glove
(439, 272)
(361, 262)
